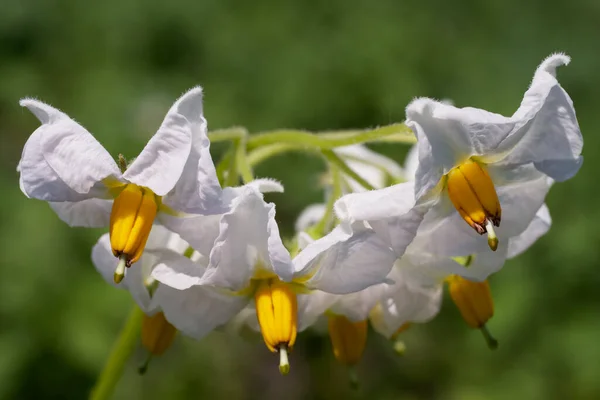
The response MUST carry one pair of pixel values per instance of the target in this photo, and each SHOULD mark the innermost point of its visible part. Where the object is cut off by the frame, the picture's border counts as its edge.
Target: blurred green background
(116, 67)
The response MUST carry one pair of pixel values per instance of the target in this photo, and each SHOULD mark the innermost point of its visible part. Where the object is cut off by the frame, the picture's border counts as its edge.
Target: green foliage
(116, 67)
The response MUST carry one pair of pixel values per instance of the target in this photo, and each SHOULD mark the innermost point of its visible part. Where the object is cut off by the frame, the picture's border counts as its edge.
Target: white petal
(356, 306)
(405, 303)
(61, 160)
(248, 238)
(266, 185)
(279, 256)
(425, 269)
(91, 213)
(393, 201)
(536, 229)
(177, 271)
(163, 238)
(198, 230)
(161, 163)
(304, 239)
(104, 260)
(136, 282)
(411, 163)
(198, 310)
(311, 306)
(348, 259)
(547, 131)
(391, 212)
(135, 276)
(310, 216)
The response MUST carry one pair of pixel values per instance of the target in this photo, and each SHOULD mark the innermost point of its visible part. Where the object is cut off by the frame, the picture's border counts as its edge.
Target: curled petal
(161, 163)
(543, 131)
(248, 241)
(61, 160)
(548, 133)
(391, 212)
(350, 258)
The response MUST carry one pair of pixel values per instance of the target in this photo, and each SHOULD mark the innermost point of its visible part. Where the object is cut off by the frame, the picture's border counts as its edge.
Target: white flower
(248, 261)
(62, 163)
(494, 170)
(412, 293)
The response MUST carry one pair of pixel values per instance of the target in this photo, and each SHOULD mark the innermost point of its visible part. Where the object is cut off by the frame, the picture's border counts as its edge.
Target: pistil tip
(399, 347)
(491, 233)
(120, 271)
(284, 364)
(493, 243)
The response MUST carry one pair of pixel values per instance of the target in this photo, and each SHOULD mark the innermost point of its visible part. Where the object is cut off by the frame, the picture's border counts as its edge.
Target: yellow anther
(475, 303)
(348, 339)
(157, 333)
(277, 313)
(472, 192)
(131, 219)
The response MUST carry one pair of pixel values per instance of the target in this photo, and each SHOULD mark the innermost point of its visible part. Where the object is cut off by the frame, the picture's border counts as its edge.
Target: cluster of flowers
(196, 255)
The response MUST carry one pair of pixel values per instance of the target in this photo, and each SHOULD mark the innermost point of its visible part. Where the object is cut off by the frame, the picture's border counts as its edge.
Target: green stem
(242, 161)
(318, 230)
(332, 139)
(232, 178)
(223, 166)
(221, 135)
(337, 161)
(262, 153)
(120, 353)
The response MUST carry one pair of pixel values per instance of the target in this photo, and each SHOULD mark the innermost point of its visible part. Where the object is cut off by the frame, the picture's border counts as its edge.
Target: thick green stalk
(263, 153)
(221, 135)
(120, 353)
(400, 132)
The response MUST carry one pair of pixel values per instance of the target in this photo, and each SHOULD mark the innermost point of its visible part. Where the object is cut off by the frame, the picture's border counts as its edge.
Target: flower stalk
(120, 353)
